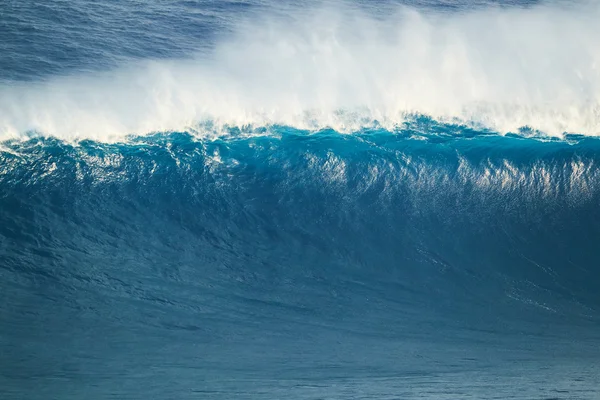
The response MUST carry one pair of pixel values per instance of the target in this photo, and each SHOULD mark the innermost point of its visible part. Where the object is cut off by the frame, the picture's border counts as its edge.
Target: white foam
(500, 68)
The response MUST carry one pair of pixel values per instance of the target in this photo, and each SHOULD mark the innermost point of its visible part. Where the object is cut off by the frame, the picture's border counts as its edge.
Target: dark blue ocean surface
(184, 214)
(44, 38)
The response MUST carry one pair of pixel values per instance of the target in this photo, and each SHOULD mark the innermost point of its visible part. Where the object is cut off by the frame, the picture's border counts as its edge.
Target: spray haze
(498, 68)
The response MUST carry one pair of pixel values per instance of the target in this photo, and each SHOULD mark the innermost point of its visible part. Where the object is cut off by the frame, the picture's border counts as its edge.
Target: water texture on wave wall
(304, 200)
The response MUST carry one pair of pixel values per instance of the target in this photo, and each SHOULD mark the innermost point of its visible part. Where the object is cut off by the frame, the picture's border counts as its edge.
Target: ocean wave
(504, 219)
(498, 69)
(458, 159)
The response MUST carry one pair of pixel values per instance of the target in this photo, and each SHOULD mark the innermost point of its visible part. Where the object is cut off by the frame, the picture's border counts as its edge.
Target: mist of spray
(502, 69)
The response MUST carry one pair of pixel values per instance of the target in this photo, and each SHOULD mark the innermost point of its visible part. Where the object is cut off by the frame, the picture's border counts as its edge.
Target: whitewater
(305, 200)
(337, 66)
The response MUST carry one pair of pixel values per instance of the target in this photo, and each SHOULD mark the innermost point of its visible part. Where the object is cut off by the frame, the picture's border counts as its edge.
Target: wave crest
(502, 69)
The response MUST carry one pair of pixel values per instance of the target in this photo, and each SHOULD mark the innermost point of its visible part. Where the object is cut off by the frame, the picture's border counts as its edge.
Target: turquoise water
(180, 218)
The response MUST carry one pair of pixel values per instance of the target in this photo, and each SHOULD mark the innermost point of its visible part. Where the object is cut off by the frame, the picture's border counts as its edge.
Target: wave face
(243, 200)
(379, 262)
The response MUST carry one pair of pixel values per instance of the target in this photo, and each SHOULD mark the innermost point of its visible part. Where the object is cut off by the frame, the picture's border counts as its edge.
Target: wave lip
(503, 69)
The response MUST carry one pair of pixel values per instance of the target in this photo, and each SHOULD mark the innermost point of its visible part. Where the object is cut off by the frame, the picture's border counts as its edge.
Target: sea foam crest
(500, 68)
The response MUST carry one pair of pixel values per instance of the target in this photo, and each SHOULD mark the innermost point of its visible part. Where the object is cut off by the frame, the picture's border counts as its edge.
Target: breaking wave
(501, 69)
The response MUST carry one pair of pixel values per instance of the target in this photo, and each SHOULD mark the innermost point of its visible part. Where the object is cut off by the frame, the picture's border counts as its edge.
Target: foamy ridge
(502, 69)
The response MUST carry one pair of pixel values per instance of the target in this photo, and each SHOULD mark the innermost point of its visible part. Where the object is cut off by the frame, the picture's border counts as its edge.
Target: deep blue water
(161, 242)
